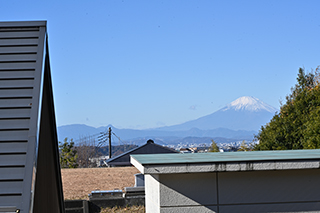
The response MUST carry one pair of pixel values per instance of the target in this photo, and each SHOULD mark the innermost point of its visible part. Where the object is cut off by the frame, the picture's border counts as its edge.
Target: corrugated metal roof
(23, 79)
(213, 157)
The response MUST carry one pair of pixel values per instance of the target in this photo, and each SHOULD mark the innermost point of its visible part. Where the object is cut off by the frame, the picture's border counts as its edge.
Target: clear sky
(144, 64)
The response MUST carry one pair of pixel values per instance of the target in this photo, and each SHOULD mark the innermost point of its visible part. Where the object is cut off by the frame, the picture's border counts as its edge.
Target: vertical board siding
(18, 55)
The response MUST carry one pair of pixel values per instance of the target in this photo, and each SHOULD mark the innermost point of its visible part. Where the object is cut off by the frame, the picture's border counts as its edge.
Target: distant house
(149, 148)
(186, 150)
(30, 179)
(194, 150)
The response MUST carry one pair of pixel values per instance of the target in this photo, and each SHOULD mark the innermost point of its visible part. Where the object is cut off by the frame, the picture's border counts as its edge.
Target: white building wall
(152, 191)
(270, 191)
(181, 193)
(223, 192)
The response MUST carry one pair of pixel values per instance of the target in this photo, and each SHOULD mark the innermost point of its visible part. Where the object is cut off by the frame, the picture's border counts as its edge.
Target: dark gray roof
(30, 178)
(149, 148)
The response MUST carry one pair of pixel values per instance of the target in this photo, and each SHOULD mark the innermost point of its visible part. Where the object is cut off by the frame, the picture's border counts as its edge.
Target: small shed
(149, 148)
(30, 179)
(261, 181)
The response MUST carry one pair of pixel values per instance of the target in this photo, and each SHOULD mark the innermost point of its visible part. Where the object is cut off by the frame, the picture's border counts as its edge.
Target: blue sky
(144, 64)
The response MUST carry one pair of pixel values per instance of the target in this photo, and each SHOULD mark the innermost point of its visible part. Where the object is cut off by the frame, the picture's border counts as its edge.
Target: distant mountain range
(239, 120)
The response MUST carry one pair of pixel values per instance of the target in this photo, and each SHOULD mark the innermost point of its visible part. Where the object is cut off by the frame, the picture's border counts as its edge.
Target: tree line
(80, 155)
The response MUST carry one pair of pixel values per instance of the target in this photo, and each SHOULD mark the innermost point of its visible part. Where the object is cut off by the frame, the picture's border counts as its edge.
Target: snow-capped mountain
(245, 113)
(240, 119)
(249, 103)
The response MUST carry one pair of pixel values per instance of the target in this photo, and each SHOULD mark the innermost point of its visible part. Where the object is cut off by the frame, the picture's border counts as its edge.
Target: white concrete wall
(152, 190)
(265, 191)
(182, 193)
(253, 191)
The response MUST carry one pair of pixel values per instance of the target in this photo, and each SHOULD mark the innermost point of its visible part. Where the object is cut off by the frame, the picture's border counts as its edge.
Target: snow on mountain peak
(249, 103)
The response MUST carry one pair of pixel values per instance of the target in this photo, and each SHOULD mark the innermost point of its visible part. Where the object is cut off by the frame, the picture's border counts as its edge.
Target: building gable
(27, 121)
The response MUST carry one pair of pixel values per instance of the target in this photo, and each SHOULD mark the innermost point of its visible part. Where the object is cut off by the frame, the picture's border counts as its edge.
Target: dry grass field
(135, 209)
(78, 183)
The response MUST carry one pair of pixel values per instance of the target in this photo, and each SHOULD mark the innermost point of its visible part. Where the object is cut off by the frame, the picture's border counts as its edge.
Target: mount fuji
(245, 113)
(240, 119)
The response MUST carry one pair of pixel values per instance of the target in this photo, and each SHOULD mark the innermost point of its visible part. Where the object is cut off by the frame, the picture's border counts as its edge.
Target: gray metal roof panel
(194, 158)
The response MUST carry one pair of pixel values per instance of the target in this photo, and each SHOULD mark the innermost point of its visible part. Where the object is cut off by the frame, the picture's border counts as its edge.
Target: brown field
(136, 209)
(78, 183)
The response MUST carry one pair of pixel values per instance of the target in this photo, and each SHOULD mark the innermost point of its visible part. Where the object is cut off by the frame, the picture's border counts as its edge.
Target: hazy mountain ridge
(239, 120)
(71, 131)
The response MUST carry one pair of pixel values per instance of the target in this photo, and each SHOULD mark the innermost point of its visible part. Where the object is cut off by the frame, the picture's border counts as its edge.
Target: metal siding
(16, 42)
(18, 57)
(15, 93)
(7, 147)
(13, 173)
(16, 74)
(34, 131)
(14, 135)
(10, 200)
(21, 34)
(14, 113)
(18, 49)
(27, 102)
(17, 65)
(16, 83)
(20, 60)
(14, 124)
(10, 187)
(12, 160)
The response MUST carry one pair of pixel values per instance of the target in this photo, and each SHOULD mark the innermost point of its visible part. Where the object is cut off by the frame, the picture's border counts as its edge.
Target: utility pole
(109, 142)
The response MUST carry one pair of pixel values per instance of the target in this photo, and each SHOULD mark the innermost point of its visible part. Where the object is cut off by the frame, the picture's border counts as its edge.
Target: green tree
(68, 154)
(311, 137)
(297, 125)
(244, 146)
(214, 147)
